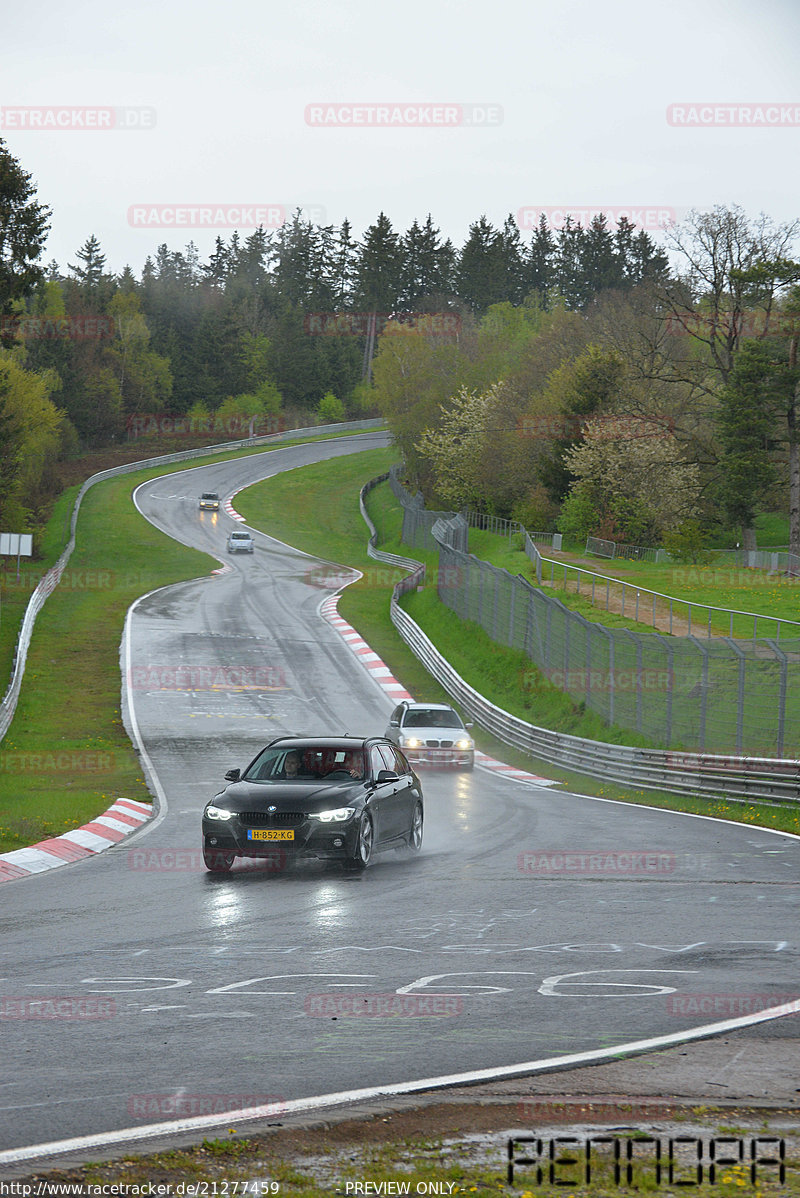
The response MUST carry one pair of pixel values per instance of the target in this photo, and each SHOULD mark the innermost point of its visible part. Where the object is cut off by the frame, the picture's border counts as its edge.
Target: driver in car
(354, 764)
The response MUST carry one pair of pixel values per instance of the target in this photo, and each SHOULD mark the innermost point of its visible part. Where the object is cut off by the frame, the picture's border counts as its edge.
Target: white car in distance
(240, 542)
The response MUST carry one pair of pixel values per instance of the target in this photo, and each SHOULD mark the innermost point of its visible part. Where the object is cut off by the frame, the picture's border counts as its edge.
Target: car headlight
(212, 812)
(333, 817)
(464, 743)
(411, 742)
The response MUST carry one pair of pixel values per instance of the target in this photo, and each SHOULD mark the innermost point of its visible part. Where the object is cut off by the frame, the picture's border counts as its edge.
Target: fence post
(670, 691)
(701, 736)
(497, 577)
(740, 696)
(784, 663)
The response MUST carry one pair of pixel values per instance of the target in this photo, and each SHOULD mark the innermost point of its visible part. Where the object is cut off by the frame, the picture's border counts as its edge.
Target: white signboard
(16, 544)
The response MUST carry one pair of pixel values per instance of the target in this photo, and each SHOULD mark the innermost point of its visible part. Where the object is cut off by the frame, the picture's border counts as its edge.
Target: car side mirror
(233, 775)
(388, 776)
(394, 723)
(469, 724)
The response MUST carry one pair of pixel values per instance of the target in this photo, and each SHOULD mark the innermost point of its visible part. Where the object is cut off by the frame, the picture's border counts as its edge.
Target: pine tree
(378, 273)
(539, 269)
(482, 273)
(23, 230)
(427, 265)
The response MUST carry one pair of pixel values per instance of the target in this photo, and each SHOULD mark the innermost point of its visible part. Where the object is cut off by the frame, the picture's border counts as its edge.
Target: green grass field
(719, 584)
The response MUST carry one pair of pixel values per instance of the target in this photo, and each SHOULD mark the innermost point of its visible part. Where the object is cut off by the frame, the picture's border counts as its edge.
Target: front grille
(439, 744)
(271, 819)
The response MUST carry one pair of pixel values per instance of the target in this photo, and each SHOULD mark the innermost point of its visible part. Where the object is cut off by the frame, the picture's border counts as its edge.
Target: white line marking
(324, 1101)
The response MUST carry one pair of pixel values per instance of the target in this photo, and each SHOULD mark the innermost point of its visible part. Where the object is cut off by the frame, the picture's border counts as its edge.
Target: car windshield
(209, 495)
(320, 763)
(431, 717)
(240, 536)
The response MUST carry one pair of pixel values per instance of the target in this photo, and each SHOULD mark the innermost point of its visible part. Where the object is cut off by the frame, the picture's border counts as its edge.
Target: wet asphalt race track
(207, 987)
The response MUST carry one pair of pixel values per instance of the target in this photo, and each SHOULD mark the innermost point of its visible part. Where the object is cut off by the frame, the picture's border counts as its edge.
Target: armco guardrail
(741, 778)
(53, 576)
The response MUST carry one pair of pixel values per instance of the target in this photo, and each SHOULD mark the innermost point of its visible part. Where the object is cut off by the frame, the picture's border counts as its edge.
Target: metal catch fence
(712, 694)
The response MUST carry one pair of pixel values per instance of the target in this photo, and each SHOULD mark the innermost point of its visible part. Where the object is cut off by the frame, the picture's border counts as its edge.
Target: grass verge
(454, 1149)
(316, 509)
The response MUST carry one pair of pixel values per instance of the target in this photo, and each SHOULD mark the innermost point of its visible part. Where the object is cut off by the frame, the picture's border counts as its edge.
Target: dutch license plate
(264, 834)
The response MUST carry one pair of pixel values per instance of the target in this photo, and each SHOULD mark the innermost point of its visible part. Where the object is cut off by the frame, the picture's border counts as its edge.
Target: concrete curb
(104, 831)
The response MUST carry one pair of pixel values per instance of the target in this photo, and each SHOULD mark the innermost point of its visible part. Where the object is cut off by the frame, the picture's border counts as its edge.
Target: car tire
(470, 764)
(364, 844)
(217, 861)
(415, 832)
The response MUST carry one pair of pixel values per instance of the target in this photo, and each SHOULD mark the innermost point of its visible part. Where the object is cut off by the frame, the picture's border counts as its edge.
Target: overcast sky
(239, 99)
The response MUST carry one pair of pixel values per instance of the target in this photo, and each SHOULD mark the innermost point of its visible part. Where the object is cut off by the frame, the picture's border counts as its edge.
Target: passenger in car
(294, 767)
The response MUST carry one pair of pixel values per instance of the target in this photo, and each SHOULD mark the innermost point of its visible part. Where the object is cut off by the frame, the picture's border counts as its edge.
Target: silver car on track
(431, 734)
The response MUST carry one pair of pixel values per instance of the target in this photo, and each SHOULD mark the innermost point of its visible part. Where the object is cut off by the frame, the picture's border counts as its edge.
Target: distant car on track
(209, 502)
(240, 542)
(339, 798)
(431, 734)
